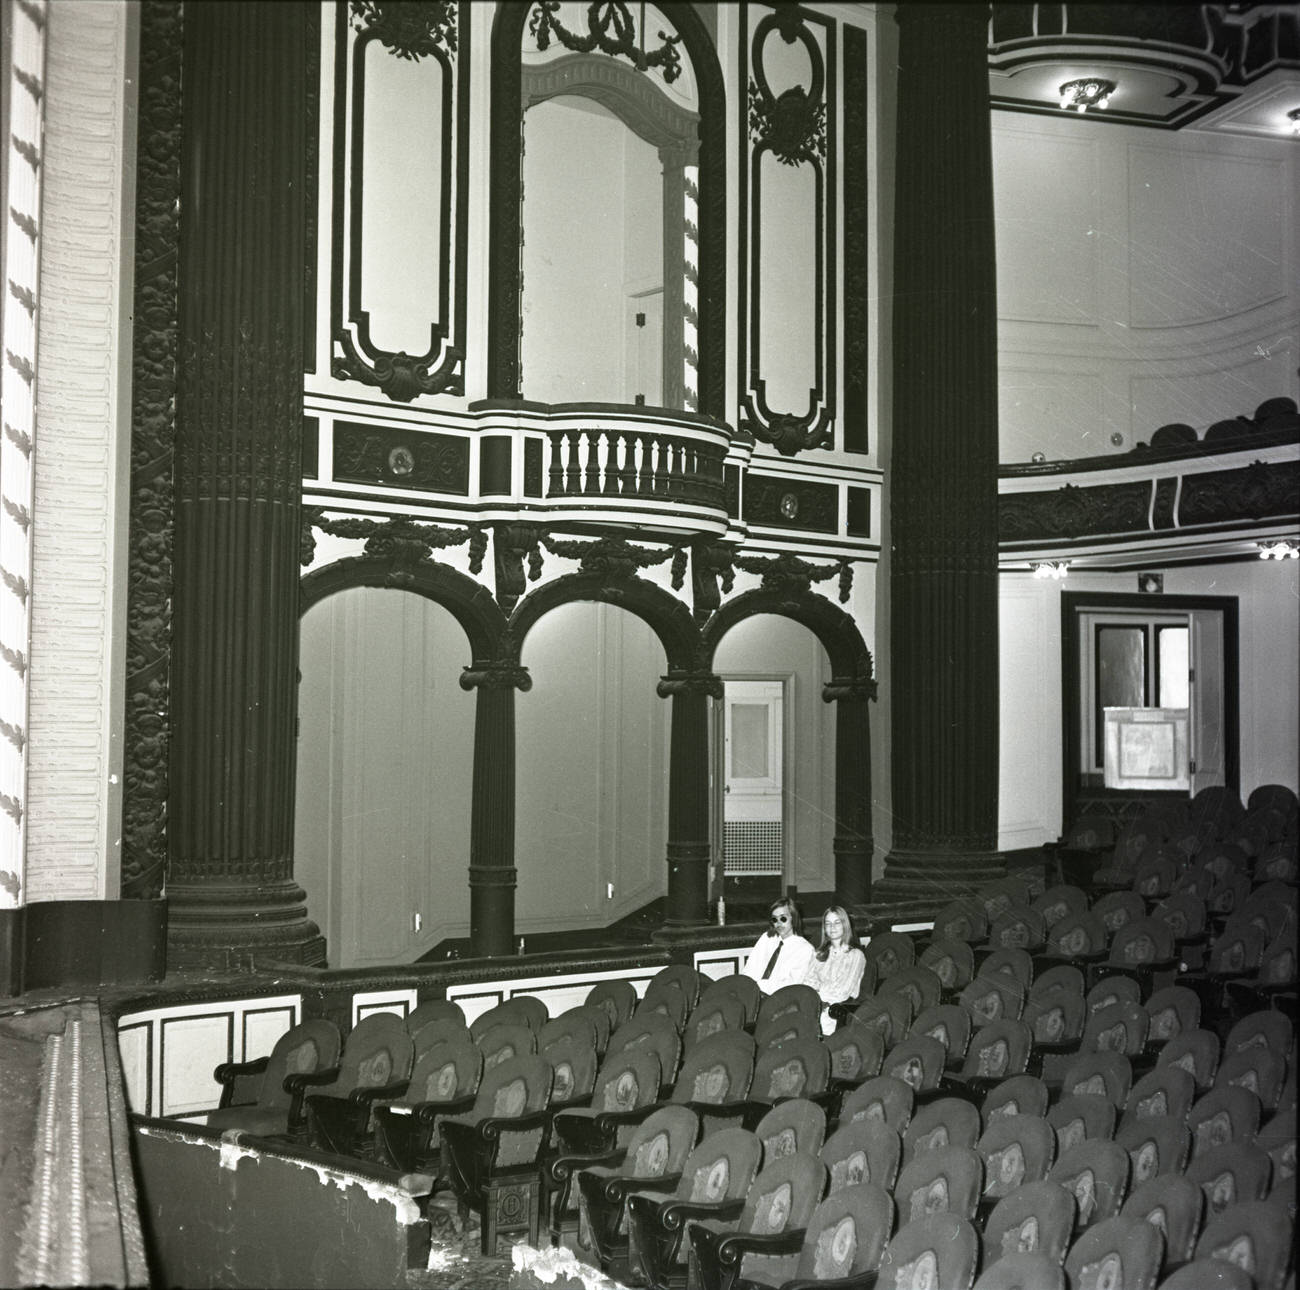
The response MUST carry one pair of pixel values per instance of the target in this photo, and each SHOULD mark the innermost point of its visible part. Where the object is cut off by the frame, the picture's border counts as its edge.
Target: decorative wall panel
(401, 112)
(787, 200)
(432, 463)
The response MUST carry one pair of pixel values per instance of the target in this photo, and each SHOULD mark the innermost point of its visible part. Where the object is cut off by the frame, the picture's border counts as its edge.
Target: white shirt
(796, 954)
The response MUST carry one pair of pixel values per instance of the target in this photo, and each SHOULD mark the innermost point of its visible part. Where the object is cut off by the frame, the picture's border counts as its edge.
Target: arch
(664, 614)
(851, 662)
(504, 229)
(467, 601)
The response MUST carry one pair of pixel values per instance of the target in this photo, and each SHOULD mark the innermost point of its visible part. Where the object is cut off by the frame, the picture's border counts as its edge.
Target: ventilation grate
(753, 847)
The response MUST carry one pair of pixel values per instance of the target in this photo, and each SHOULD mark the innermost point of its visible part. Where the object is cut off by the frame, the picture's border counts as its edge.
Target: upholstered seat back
(1116, 1252)
(949, 1024)
(1159, 1144)
(791, 1126)
(855, 1051)
(945, 1122)
(880, 1098)
(938, 1250)
(846, 1234)
(1096, 1172)
(862, 1151)
(1035, 1216)
(799, 1068)
(1015, 1150)
(947, 1180)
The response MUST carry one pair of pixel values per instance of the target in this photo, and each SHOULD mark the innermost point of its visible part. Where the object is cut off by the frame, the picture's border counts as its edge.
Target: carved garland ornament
(398, 538)
(610, 29)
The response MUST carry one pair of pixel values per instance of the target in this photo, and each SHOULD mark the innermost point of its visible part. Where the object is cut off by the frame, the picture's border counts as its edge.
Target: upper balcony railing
(610, 464)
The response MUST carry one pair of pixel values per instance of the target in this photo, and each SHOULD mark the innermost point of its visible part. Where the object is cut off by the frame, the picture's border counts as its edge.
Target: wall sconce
(1294, 117)
(1057, 569)
(1283, 550)
(1091, 91)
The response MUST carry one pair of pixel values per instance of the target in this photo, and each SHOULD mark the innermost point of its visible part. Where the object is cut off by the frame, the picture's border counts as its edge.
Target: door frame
(1072, 602)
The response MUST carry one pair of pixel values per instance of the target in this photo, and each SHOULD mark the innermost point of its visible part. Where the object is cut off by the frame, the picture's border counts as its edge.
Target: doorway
(751, 837)
(1175, 653)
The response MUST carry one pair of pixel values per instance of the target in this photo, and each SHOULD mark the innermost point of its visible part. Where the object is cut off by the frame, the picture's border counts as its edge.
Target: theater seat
(1116, 1252)
(492, 1151)
(1036, 1217)
(842, 1246)
(254, 1094)
(1256, 1237)
(653, 1160)
(1031, 1271)
(768, 1235)
(939, 1250)
(714, 1182)
(863, 1151)
(1175, 1206)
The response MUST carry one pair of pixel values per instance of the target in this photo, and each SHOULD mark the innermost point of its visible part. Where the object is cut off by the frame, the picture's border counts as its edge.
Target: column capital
(700, 683)
(496, 676)
(859, 689)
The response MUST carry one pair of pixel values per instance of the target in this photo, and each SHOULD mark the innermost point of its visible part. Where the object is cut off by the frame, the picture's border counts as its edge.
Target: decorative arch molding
(623, 90)
(852, 668)
(504, 224)
(665, 615)
(469, 602)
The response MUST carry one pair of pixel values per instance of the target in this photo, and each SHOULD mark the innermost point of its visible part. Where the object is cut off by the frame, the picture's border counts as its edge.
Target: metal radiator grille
(752, 846)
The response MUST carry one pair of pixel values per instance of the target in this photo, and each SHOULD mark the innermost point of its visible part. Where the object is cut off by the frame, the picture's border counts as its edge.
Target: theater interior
(495, 495)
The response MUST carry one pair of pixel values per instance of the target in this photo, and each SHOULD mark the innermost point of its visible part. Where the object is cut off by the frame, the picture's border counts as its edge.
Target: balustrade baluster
(573, 473)
(555, 472)
(591, 478)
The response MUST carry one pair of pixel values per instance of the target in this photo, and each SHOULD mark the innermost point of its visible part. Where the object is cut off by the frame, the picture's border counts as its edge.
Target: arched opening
(592, 740)
(385, 761)
(773, 759)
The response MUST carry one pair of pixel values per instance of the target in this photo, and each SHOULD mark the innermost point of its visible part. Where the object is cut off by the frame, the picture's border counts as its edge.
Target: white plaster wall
(385, 759)
(78, 592)
(1144, 277)
(591, 788)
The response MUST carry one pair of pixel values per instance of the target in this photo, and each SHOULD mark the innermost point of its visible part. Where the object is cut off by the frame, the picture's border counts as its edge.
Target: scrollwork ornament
(790, 434)
(610, 29)
(793, 125)
(408, 28)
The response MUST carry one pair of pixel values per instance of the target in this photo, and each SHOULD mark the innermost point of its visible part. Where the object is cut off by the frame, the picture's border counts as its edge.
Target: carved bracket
(858, 689)
(511, 545)
(712, 576)
(401, 376)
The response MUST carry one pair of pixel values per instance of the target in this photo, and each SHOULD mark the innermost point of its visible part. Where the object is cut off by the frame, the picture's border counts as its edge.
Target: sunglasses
(780, 918)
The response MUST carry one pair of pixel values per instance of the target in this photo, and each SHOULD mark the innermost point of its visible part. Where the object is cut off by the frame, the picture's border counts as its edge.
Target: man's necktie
(771, 963)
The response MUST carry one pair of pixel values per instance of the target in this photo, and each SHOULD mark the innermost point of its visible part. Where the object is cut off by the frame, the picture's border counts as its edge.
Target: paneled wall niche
(401, 114)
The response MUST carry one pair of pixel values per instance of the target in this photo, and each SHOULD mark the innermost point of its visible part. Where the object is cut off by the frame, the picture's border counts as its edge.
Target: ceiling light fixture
(1091, 91)
(1294, 117)
(1052, 569)
(1283, 550)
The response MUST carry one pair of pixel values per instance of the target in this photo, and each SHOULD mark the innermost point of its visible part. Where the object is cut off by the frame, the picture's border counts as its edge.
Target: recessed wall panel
(1206, 238)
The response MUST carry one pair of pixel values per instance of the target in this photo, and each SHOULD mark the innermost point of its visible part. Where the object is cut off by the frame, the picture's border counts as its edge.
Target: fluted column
(853, 844)
(232, 898)
(492, 872)
(688, 796)
(943, 481)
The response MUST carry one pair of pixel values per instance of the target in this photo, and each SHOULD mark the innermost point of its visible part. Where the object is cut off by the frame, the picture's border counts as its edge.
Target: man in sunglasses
(781, 955)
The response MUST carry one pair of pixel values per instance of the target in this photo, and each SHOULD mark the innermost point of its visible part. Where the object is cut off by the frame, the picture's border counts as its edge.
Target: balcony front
(572, 464)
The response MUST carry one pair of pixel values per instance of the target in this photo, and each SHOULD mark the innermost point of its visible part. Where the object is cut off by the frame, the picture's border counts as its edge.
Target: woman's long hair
(850, 936)
(796, 918)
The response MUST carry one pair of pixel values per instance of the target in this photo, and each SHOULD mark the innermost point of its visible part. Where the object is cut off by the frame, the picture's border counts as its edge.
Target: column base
(225, 927)
(917, 884)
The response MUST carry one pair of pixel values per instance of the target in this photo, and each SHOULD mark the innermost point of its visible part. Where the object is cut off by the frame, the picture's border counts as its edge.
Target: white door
(753, 826)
